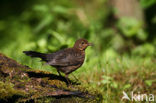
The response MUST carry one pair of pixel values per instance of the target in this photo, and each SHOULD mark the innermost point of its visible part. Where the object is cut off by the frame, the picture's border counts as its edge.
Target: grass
(122, 74)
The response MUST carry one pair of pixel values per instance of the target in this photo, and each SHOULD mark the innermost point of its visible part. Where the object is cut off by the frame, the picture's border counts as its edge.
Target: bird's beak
(90, 44)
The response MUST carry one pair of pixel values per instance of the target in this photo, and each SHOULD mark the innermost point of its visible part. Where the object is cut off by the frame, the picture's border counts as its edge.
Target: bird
(66, 60)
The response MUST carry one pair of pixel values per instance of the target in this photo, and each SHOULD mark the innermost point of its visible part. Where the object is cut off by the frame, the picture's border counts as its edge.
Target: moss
(57, 83)
(7, 90)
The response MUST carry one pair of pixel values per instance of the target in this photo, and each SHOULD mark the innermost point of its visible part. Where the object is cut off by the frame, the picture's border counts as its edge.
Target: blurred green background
(123, 33)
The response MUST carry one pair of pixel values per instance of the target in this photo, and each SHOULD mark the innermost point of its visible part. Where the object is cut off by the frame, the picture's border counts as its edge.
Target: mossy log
(20, 83)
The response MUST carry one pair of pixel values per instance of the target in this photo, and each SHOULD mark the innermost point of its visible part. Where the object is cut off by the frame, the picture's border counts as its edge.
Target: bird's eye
(82, 42)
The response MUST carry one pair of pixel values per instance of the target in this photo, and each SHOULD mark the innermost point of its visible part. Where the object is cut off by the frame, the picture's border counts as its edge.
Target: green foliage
(48, 26)
(144, 50)
(147, 3)
(127, 86)
(149, 82)
(131, 27)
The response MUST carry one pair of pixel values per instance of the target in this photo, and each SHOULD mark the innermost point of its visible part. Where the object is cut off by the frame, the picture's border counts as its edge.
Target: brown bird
(66, 60)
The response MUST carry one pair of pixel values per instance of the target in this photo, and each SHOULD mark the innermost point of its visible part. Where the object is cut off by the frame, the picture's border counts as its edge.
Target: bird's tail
(36, 54)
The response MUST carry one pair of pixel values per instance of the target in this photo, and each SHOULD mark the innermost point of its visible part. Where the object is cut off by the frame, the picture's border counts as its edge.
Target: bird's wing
(66, 57)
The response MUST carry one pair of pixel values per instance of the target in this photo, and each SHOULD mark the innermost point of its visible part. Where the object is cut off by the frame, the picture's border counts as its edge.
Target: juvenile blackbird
(66, 60)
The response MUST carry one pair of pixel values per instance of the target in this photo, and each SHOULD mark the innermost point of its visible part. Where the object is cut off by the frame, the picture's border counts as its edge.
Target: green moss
(7, 90)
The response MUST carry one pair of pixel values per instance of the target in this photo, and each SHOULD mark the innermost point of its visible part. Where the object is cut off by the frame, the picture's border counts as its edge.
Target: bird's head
(82, 44)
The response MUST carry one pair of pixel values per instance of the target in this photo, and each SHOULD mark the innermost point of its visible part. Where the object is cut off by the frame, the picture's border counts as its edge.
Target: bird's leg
(59, 73)
(66, 76)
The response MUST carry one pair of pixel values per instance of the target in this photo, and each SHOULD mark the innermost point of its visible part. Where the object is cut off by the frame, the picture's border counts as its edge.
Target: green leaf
(114, 84)
(129, 26)
(127, 86)
(149, 82)
(60, 9)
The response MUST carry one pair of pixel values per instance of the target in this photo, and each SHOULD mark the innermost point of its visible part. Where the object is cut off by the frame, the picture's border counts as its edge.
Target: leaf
(47, 20)
(114, 84)
(149, 82)
(127, 86)
(60, 9)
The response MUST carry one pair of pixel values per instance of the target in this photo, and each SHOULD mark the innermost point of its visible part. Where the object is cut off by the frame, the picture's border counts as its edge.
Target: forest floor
(19, 83)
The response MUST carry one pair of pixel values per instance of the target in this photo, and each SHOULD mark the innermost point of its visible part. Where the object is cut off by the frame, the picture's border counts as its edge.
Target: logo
(137, 97)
